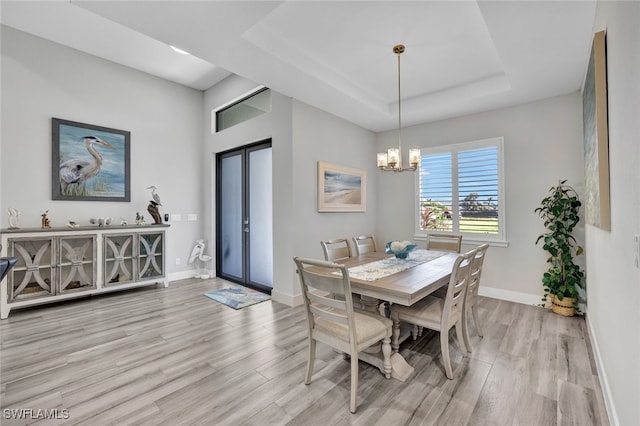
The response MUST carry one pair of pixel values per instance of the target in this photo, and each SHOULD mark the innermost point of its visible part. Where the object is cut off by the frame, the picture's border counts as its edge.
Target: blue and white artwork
(92, 162)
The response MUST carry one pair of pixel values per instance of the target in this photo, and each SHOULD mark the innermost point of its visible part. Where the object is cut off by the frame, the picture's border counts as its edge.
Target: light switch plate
(192, 217)
(176, 218)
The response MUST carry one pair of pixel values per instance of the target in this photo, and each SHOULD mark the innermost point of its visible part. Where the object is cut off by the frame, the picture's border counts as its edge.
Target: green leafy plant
(560, 214)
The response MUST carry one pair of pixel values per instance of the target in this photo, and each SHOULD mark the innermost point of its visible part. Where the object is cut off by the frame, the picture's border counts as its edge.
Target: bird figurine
(72, 224)
(78, 170)
(154, 195)
(153, 206)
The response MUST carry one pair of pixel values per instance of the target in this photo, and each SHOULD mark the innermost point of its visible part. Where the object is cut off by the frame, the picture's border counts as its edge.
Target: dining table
(381, 278)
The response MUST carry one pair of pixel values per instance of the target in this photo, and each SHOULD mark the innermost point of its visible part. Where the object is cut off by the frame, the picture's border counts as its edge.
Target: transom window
(248, 107)
(460, 190)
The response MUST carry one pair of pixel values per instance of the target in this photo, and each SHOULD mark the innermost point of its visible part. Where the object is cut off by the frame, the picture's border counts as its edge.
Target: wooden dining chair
(439, 314)
(334, 321)
(471, 299)
(364, 244)
(336, 249)
(444, 242)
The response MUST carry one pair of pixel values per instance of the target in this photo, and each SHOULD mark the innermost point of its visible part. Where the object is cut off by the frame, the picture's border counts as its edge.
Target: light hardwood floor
(173, 356)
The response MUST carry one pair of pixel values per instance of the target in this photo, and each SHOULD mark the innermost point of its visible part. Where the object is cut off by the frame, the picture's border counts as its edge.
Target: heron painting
(90, 163)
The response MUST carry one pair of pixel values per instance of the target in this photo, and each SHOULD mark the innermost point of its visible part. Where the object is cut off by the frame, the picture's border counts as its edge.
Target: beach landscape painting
(89, 163)
(341, 189)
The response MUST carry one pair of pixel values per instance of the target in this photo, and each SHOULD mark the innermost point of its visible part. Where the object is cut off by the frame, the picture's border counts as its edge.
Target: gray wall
(41, 80)
(542, 144)
(277, 126)
(319, 136)
(613, 280)
(301, 135)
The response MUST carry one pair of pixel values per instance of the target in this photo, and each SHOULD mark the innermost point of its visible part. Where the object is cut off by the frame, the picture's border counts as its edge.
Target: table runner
(382, 268)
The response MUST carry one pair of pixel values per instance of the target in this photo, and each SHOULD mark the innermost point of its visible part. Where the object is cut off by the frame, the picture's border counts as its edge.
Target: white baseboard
(287, 299)
(511, 296)
(183, 275)
(494, 293)
(602, 375)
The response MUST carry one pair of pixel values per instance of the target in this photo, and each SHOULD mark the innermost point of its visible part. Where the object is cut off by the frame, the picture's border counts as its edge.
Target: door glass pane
(260, 218)
(231, 216)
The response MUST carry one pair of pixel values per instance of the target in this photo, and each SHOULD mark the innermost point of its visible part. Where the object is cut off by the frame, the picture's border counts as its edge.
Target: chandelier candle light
(391, 161)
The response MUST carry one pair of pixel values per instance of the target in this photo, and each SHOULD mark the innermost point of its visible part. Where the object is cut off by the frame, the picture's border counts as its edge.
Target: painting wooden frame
(596, 138)
(341, 189)
(89, 162)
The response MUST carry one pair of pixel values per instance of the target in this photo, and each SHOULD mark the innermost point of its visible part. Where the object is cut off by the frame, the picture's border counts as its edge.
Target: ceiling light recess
(177, 49)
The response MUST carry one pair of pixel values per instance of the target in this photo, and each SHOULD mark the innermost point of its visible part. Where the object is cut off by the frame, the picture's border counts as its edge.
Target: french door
(244, 225)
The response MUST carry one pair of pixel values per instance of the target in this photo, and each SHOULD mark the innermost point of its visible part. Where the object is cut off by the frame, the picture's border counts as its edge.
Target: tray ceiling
(461, 57)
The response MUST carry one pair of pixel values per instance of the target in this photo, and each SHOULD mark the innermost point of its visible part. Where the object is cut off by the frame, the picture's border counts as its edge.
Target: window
(253, 105)
(460, 190)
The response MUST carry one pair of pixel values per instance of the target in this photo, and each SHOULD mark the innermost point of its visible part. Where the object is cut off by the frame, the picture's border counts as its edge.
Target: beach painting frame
(596, 138)
(89, 162)
(341, 189)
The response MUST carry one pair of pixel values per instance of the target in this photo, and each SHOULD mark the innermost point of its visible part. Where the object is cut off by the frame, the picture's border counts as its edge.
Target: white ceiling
(461, 57)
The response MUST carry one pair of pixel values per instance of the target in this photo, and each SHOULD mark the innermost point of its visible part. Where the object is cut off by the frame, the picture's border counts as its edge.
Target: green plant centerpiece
(560, 214)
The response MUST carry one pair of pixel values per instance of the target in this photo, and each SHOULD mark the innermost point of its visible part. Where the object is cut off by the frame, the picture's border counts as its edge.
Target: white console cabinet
(63, 263)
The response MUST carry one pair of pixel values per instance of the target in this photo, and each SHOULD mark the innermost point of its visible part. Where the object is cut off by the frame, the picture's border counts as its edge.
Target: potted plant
(561, 281)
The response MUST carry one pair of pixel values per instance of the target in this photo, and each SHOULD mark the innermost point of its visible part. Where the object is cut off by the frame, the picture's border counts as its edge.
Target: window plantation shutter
(460, 190)
(478, 190)
(436, 191)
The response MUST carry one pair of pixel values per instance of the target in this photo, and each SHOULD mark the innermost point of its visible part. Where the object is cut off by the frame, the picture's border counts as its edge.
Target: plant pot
(563, 307)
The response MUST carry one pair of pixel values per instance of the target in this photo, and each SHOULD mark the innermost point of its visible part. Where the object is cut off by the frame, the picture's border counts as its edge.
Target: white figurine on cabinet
(13, 218)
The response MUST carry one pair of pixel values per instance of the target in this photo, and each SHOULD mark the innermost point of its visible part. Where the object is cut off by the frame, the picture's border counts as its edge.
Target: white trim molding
(287, 299)
(511, 296)
(602, 375)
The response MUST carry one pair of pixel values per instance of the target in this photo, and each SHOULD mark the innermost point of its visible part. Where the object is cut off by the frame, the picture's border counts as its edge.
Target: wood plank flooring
(171, 356)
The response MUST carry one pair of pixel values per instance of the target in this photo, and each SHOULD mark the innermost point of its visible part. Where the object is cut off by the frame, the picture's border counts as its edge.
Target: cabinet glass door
(119, 265)
(76, 260)
(151, 252)
(34, 271)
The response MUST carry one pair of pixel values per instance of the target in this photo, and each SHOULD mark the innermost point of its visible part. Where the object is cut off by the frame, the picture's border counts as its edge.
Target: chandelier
(391, 161)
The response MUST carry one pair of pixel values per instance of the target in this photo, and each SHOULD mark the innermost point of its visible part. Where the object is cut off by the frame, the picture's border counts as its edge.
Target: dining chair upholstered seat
(336, 249)
(364, 244)
(439, 314)
(471, 299)
(444, 242)
(334, 321)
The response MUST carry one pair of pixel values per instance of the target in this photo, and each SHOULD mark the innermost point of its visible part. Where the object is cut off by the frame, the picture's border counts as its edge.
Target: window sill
(473, 241)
